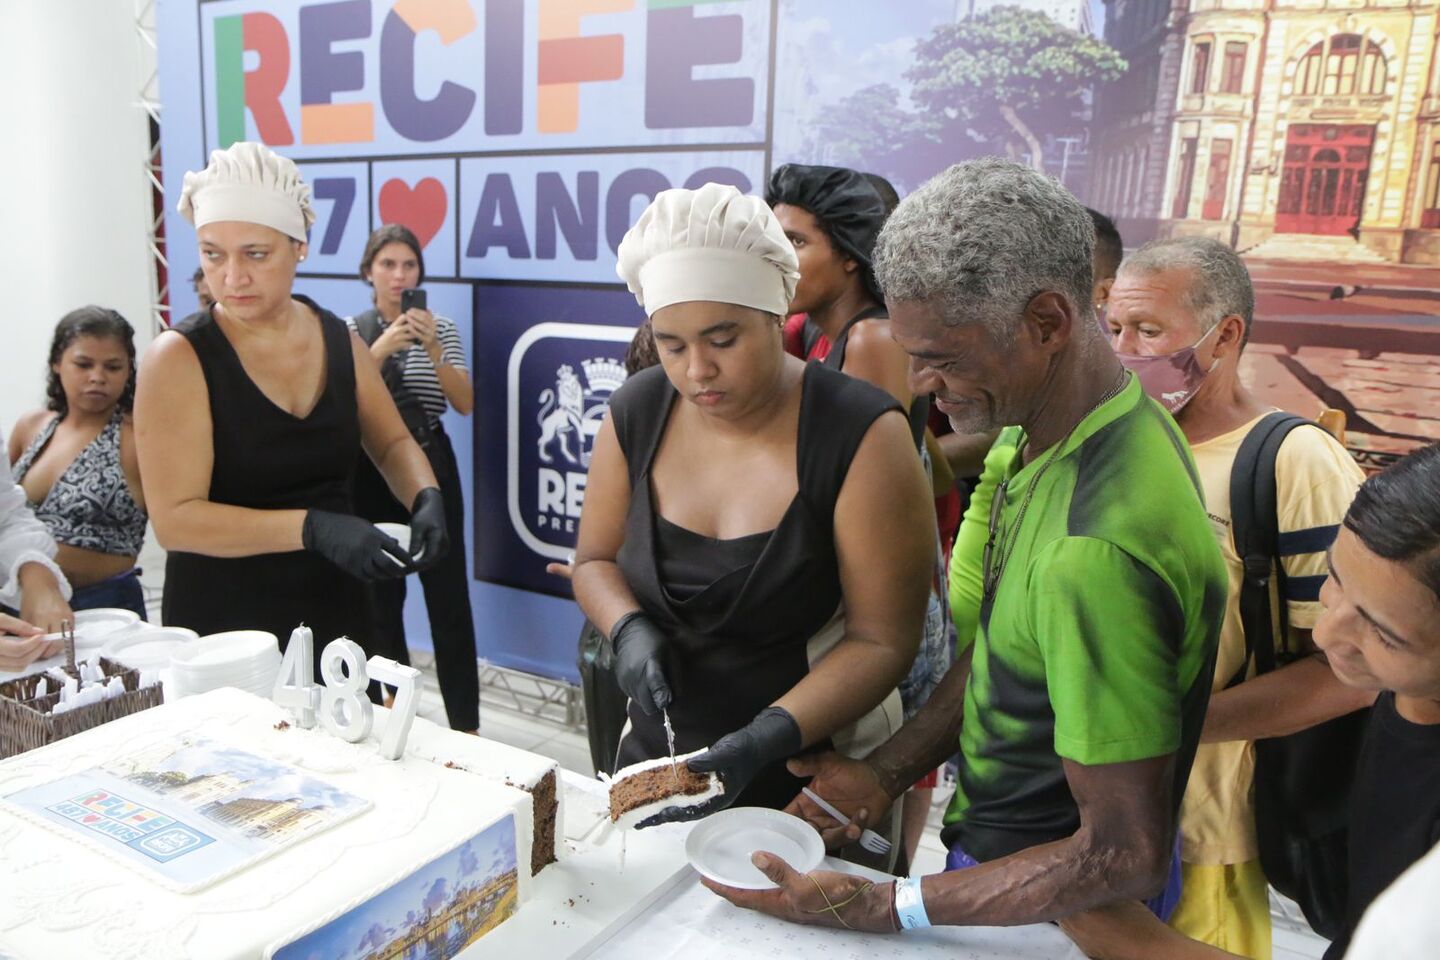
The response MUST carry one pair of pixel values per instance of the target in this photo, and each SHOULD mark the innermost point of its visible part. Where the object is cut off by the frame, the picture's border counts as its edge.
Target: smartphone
(413, 298)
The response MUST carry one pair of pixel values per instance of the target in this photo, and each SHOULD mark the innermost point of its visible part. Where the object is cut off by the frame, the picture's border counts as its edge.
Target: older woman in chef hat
(250, 417)
(757, 532)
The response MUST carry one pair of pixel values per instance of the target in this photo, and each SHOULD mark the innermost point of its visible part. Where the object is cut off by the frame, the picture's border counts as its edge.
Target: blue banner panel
(562, 218)
(552, 358)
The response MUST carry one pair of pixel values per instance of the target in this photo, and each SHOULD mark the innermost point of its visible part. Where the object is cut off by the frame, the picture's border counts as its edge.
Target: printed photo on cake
(433, 914)
(190, 810)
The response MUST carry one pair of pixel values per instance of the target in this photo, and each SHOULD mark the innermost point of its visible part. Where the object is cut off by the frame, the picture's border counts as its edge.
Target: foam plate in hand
(720, 846)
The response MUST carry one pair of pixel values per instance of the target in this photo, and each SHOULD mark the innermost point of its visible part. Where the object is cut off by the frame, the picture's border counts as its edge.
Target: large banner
(520, 138)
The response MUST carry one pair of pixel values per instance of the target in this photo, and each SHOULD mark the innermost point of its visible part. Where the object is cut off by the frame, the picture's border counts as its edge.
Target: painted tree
(1008, 76)
(870, 130)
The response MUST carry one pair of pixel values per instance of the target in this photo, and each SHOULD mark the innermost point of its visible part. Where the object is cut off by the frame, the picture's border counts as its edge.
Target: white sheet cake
(68, 894)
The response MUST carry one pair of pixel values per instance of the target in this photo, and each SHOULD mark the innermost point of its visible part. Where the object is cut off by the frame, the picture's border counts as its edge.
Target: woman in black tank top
(833, 215)
(755, 537)
(249, 419)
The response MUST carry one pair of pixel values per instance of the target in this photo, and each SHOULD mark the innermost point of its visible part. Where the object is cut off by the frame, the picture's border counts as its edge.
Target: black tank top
(738, 613)
(267, 458)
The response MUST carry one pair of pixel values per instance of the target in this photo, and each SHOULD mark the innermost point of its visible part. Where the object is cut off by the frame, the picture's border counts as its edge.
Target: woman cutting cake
(250, 417)
(757, 533)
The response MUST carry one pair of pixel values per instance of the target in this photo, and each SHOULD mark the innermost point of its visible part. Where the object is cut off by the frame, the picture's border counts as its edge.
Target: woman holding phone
(422, 362)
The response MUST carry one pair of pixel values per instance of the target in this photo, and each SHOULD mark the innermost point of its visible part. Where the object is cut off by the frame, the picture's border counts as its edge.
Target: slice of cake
(643, 789)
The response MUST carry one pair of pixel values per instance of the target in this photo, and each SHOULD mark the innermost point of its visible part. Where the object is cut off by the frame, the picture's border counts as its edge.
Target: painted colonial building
(1130, 135)
(1283, 127)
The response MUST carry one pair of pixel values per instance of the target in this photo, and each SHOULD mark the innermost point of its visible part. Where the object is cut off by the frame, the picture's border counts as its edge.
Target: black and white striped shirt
(420, 377)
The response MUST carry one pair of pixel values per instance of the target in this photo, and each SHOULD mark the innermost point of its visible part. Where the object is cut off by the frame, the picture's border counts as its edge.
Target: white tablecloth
(691, 922)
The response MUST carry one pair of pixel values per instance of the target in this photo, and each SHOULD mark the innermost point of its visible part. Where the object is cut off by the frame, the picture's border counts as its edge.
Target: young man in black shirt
(1381, 631)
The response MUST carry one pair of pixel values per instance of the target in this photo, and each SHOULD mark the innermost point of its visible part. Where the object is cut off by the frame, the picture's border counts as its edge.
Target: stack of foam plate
(247, 659)
(146, 646)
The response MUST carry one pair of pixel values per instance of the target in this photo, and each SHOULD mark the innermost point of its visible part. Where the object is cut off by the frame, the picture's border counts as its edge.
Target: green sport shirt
(1099, 644)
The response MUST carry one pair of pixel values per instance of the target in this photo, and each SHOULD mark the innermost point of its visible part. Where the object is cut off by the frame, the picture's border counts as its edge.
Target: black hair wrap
(849, 208)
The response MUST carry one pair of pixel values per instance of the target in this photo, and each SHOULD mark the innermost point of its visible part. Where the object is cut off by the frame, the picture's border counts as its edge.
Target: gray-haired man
(1180, 315)
(1079, 705)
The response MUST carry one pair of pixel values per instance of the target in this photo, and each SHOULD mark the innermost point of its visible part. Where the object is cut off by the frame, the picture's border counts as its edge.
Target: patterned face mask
(1173, 379)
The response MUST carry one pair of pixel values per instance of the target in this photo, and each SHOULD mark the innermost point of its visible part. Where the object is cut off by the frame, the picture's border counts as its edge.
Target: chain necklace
(994, 570)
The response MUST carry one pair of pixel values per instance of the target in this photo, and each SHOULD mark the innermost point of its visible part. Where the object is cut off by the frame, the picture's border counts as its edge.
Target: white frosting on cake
(488, 758)
(65, 898)
(631, 817)
(495, 761)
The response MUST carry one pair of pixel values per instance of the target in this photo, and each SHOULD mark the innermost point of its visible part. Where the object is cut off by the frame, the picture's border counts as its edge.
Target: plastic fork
(869, 840)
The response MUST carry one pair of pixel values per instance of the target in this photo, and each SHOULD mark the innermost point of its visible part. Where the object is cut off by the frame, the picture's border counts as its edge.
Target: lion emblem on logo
(561, 418)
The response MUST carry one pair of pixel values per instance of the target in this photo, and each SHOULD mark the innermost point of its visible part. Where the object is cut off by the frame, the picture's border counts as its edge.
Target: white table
(652, 906)
(621, 895)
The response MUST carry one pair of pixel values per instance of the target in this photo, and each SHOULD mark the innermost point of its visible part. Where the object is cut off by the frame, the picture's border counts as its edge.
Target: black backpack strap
(367, 324)
(1255, 529)
(392, 371)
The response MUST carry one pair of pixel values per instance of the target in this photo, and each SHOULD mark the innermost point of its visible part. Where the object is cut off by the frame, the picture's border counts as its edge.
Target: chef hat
(251, 183)
(714, 244)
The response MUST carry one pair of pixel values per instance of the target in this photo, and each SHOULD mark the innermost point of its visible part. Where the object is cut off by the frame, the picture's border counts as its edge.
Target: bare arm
(873, 356)
(1295, 697)
(885, 539)
(174, 443)
(966, 452)
(1121, 852)
(600, 588)
(454, 381)
(942, 478)
(25, 429)
(386, 439)
(130, 461)
(458, 389)
(1126, 930)
(930, 737)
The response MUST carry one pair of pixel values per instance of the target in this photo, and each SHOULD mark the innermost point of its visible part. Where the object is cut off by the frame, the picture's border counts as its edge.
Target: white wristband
(910, 904)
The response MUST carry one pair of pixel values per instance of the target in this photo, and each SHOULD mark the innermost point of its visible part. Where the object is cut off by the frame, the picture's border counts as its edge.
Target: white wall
(74, 202)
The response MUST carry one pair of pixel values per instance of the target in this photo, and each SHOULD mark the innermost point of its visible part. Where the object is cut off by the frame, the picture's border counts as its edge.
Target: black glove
(354, 545)
(428, 541)
(737, 757)
(638, 642)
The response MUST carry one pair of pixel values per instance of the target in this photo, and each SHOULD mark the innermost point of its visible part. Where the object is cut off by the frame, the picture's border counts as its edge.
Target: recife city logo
(552, 429)
(517, 138)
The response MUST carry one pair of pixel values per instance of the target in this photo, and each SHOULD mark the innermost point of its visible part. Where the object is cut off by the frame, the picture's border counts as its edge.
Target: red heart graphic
(421, 208)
